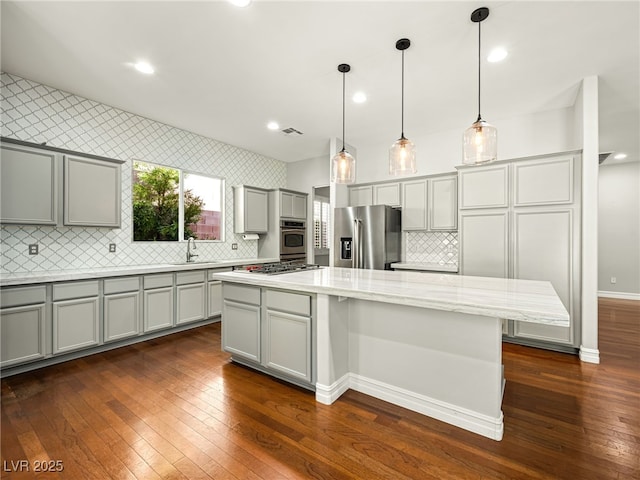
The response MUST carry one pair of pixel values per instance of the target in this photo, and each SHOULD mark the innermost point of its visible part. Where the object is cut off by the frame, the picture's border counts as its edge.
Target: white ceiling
(224, 72)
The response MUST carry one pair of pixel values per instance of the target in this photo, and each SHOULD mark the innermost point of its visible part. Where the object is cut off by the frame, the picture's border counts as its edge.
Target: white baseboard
(589, 355)
(327, 394)
(620, 295)
(446, 412)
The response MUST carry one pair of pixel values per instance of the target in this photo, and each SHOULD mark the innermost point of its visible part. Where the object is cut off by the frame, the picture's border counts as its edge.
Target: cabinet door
(414, 208)
(387, 194)
(360, 196)
(288, 344)
(241, 329)
(443, 205)
(484, 247)
(158, 309)
(256, 212)
(286, 204)
(22, 334)
(484, 187)
(543, 251)
(543, 182)
(28, 186)
(75, 324)
(121, 315)
(300, 207)
(215, 299)
(91, 192)
(190, 303)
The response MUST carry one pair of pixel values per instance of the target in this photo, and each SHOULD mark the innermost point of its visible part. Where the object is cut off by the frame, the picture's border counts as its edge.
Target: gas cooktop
(277, 268)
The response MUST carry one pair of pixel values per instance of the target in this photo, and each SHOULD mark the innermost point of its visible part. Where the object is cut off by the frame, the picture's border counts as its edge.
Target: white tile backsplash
(432, 247)
(37, 113)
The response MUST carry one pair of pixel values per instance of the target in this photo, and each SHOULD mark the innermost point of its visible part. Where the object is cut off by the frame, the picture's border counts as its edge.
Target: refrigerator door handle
(357, 253)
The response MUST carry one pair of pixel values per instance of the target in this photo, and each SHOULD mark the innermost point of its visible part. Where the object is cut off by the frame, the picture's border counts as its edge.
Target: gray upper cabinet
(484, 187)
(543, 182)
(293, 205)
(361, 196)
(414, 208)
(42, 185)
(251, 209)
(28, 186)
(387, 194)
(443, 203)
(91, 192)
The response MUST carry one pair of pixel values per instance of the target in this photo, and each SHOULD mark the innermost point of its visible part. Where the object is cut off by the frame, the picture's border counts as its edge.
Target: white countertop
(524, 300)
(27, 278)
(427, 267)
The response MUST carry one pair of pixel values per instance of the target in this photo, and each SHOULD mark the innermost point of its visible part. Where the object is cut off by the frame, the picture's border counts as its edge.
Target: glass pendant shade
(480, 143)
(402, 157)
(343, 168)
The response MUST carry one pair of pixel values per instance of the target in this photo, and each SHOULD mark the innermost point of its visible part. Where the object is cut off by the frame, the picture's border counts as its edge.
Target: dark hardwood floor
(176, 408)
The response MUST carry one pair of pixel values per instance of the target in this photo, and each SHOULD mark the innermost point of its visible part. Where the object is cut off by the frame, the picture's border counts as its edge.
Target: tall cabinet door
(484, 237)
(543, 250)
(414, 206)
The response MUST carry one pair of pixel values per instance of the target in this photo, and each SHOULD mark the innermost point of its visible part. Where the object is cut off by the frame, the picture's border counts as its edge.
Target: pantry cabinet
(521, 219)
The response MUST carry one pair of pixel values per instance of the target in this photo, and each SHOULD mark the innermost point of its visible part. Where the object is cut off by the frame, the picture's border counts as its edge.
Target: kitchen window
(169, 203)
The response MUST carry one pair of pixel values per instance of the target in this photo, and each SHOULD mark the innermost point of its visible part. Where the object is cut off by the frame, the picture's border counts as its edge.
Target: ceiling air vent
(602, 157)
(291, 130)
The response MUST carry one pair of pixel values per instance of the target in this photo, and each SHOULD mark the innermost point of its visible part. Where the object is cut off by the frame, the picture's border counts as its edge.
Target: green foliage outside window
(156, 201)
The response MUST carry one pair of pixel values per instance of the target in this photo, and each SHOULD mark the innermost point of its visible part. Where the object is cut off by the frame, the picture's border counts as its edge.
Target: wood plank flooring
(175, 408)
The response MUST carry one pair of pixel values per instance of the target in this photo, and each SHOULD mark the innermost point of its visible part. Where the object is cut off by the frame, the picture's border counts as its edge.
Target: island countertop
(522, 300)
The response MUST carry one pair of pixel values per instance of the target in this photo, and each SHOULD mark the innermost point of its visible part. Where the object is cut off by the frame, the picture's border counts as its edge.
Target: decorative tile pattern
(37, 113)
(432, 247)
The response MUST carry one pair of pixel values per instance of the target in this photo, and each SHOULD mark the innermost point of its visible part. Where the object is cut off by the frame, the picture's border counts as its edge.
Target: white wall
(619, 229)
(519, 136)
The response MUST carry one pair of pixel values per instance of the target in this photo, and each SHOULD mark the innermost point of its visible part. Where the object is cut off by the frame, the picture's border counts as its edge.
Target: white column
(590, 149)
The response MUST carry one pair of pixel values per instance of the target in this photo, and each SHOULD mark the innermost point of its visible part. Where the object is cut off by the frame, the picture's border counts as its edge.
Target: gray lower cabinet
(121, 308)
(22, 325)
(288, 334)
(158, 302)
(191, 295)
(214, 304)
(76, 316)
(241, 321)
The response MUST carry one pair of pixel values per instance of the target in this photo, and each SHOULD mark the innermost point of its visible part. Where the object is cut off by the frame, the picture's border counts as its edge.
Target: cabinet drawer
(289, 302)
(211, 273)
(241, 293)
(14, 297)
(184, 278)
(158, 281)
(66, 291)
(121, 285)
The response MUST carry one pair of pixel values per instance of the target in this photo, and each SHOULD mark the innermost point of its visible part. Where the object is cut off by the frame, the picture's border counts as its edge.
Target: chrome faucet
(189, 254)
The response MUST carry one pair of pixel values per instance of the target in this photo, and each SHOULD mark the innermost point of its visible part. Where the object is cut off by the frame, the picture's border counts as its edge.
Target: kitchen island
(431, 343)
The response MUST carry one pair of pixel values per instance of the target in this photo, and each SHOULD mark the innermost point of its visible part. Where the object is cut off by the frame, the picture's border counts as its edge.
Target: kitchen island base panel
(446, 365)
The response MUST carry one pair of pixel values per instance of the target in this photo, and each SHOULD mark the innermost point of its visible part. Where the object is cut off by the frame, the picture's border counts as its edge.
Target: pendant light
(480, 143)
(402, 154)
(343, 165)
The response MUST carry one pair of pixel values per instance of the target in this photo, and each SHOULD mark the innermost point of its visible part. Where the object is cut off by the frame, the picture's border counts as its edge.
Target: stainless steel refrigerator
(367, 237)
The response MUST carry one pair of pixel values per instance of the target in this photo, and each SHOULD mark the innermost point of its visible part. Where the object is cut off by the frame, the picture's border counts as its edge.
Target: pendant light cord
(402, 102)
(343, 110)
(479, 63)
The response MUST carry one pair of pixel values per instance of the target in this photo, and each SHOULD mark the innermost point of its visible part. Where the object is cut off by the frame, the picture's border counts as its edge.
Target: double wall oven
(293, 244)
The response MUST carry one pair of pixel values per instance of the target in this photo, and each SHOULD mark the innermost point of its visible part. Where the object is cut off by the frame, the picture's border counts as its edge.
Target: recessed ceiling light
(240, 3)
(144, 67)
(620, 156)
(273, 126)
(497, 55)
(359, 97)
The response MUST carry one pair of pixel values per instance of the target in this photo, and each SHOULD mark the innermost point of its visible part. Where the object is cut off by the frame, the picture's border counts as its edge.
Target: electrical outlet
(112, 248)
(33, 249)
(614, 279)
(234, 246)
